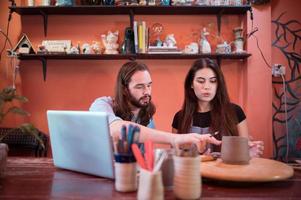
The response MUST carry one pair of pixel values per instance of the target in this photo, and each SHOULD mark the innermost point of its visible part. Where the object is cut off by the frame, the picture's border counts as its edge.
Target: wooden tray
(258, 170)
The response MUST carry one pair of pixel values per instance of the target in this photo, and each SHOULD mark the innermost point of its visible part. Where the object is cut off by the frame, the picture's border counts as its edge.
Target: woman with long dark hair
(207, 107)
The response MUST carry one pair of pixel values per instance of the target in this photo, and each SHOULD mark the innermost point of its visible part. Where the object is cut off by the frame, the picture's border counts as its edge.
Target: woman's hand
(200, 140)
(256, 148)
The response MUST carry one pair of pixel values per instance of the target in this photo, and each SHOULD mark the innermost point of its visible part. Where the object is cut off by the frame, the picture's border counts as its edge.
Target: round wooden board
(258, 170)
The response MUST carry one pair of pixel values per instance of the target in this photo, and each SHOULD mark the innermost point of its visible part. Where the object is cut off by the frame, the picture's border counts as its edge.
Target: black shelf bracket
(44, 65)
(45, 19)
(219, 61)
(132, 18)
(219, 21)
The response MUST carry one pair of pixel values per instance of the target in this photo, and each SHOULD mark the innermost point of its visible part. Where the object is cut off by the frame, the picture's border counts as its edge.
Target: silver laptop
(80, 141)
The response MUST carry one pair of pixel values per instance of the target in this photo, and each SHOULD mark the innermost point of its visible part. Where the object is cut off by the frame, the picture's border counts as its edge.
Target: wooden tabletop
(37, 178)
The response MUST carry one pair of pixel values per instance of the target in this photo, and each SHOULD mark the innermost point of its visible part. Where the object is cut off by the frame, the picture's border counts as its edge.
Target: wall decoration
(287, 146)
(24, 45)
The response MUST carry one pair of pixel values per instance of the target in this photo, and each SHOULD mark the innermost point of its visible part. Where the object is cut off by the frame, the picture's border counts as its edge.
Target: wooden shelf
(46, 11)
(130, 56)
(126, 10)
(44, 57)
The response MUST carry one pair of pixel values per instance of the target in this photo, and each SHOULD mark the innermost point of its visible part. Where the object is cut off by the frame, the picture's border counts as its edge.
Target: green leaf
(21, 98)
(30, 129)
(17, 110)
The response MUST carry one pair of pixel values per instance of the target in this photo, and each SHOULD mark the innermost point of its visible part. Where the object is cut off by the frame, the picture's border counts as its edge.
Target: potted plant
(8, 95)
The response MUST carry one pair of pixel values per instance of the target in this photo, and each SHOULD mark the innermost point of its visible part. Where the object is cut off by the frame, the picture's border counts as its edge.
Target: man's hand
(200, 140)
(256, 148)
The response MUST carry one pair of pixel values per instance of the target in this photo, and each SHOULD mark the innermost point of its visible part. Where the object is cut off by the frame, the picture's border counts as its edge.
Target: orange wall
(75, 84)
(5, 68)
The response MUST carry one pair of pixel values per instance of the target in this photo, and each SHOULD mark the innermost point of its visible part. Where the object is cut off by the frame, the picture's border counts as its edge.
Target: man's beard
(140, 103)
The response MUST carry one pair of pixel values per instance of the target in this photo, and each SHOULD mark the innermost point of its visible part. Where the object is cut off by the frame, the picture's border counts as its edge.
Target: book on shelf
(164, 50)
(140, 36)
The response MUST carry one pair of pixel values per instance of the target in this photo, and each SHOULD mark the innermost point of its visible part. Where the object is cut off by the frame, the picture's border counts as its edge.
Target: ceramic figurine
(73, 50)
(110, 42)
(170, 41)
(236, 2)
(239, 45)
(202, 2)
(86, 48)
(237, 32)
(95, 47)
(64, 3)
(142, 2)
(204, 44)
(223, 48)
(192, 48)
(165, 2)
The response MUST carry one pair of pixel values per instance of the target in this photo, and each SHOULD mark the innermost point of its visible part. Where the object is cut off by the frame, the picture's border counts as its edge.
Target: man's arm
(158, 136)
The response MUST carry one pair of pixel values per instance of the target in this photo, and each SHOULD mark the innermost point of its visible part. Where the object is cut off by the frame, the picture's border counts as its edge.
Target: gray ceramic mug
(235, 150)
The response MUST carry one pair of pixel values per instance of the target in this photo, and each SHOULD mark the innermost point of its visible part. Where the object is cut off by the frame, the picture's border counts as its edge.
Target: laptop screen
(80, 141)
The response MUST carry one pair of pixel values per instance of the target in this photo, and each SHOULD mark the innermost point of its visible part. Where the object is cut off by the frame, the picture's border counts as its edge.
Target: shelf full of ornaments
(129, 7)
(137, 44)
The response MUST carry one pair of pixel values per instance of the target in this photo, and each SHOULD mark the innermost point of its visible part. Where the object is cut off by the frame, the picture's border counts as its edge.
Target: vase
(3, 157)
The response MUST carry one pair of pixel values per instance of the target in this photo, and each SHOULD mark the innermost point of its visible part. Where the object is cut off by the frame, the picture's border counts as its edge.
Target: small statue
(95, 47)
(204, 44)
(110, 42)
(142, 2)
(64, 3)
(86, 48)
(223, 48)
(73, 50)
(192, 48)
(42, 49)
(238, 32)
(170, 41)
(239, 45)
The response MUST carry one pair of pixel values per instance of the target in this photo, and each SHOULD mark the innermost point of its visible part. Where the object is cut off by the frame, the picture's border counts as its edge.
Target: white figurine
(204, 44)
(192, 48)
(239, 45)
(86, 49)
(110, 42)
(73, 50)
(95, 47)
(170, 41)
(223, 48)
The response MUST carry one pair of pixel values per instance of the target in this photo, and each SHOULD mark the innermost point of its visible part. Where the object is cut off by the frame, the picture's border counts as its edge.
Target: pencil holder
(125, 177)
(167, 168)
(187, 177)
(150, 185)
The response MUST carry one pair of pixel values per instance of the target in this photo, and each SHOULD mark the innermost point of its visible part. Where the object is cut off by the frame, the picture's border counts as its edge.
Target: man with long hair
(132, 104)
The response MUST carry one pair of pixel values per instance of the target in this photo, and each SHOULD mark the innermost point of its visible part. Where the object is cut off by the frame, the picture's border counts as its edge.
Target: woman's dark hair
(121, 105)
(223, 118)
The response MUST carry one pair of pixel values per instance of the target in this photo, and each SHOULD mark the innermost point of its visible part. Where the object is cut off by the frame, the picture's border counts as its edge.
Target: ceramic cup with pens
(235, 150)
(187, 177)
(150, 185)
(125, 173)
(167, 167)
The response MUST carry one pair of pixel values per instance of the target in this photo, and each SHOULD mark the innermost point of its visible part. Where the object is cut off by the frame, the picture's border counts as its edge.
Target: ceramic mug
(235, 150)
(125, 177)
(187, 177)
(167, 167)
(150, 185)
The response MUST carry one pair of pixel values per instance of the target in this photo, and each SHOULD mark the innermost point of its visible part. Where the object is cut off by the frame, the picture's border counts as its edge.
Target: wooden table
(37, 178)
